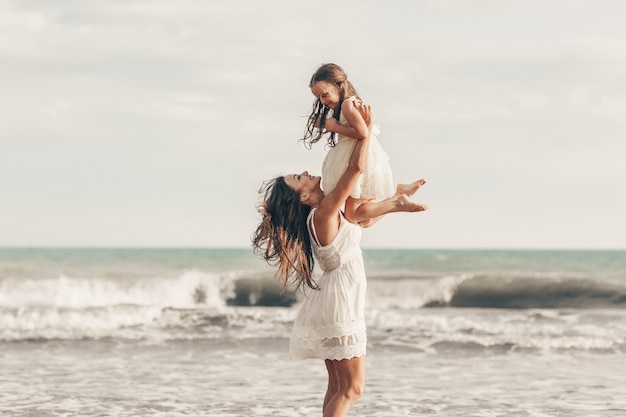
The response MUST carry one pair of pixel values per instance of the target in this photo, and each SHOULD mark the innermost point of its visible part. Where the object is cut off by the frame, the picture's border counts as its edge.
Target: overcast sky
(154, 123)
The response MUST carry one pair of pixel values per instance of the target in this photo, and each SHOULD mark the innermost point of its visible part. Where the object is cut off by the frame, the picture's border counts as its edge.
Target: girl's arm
(327, 216)
(357, 128)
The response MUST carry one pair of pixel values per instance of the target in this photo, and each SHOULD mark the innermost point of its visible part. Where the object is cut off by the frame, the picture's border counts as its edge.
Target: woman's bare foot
(410, 189)
(404, 204)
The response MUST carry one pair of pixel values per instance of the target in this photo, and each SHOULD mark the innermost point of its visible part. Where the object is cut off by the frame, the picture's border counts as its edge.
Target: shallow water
(254, 378)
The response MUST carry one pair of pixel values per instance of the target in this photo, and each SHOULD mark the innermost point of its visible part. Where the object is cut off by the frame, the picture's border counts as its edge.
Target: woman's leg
(351, 376)
(333, 383)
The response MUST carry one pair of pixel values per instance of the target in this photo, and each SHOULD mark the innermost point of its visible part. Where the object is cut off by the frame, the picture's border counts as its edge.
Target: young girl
(373, 195)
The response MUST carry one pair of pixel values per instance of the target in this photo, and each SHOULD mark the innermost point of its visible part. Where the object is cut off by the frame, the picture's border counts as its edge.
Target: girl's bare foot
(410, 189)
(404, 204)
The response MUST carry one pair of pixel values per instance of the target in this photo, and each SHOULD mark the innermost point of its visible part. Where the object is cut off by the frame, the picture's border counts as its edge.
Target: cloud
(184, 106)
(162, 120)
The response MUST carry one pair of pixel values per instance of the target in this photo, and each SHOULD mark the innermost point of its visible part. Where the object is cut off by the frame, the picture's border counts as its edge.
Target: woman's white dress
(331, 321)
(376, 182)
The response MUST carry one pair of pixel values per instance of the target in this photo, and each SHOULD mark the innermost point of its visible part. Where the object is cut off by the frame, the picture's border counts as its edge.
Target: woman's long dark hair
(314, 130)
(282, 238)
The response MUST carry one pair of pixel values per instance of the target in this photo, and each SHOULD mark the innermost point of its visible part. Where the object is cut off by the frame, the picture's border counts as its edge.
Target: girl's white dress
(331, 321)
(376, 182)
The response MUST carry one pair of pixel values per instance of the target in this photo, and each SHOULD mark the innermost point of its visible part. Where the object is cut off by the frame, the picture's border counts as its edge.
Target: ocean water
(204, 332)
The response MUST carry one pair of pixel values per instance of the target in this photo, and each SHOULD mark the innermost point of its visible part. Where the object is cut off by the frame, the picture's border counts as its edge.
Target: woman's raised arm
(333, 202)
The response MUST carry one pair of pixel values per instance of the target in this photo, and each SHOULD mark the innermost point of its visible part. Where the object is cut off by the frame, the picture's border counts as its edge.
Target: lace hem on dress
(335, 348)
(333, 354)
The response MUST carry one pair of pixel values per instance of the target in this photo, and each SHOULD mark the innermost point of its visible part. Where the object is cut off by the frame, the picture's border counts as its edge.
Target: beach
(190, 332)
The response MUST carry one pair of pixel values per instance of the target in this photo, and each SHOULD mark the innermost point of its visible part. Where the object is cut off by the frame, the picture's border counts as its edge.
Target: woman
(300, 224)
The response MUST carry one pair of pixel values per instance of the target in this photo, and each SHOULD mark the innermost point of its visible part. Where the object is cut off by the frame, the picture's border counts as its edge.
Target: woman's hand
(366, 112)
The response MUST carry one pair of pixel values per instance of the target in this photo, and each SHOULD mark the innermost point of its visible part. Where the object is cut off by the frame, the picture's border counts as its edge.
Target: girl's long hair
(282, 238)
(314, 130)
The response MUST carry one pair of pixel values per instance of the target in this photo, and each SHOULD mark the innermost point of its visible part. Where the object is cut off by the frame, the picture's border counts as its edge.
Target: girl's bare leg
(410, 189)
(368, 212)
(351, 377)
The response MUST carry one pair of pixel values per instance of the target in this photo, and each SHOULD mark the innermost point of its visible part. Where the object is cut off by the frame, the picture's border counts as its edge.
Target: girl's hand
(331, 124)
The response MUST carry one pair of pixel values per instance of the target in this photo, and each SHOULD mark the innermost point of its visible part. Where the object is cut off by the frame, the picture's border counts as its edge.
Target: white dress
(331, 321)
(376, 182)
